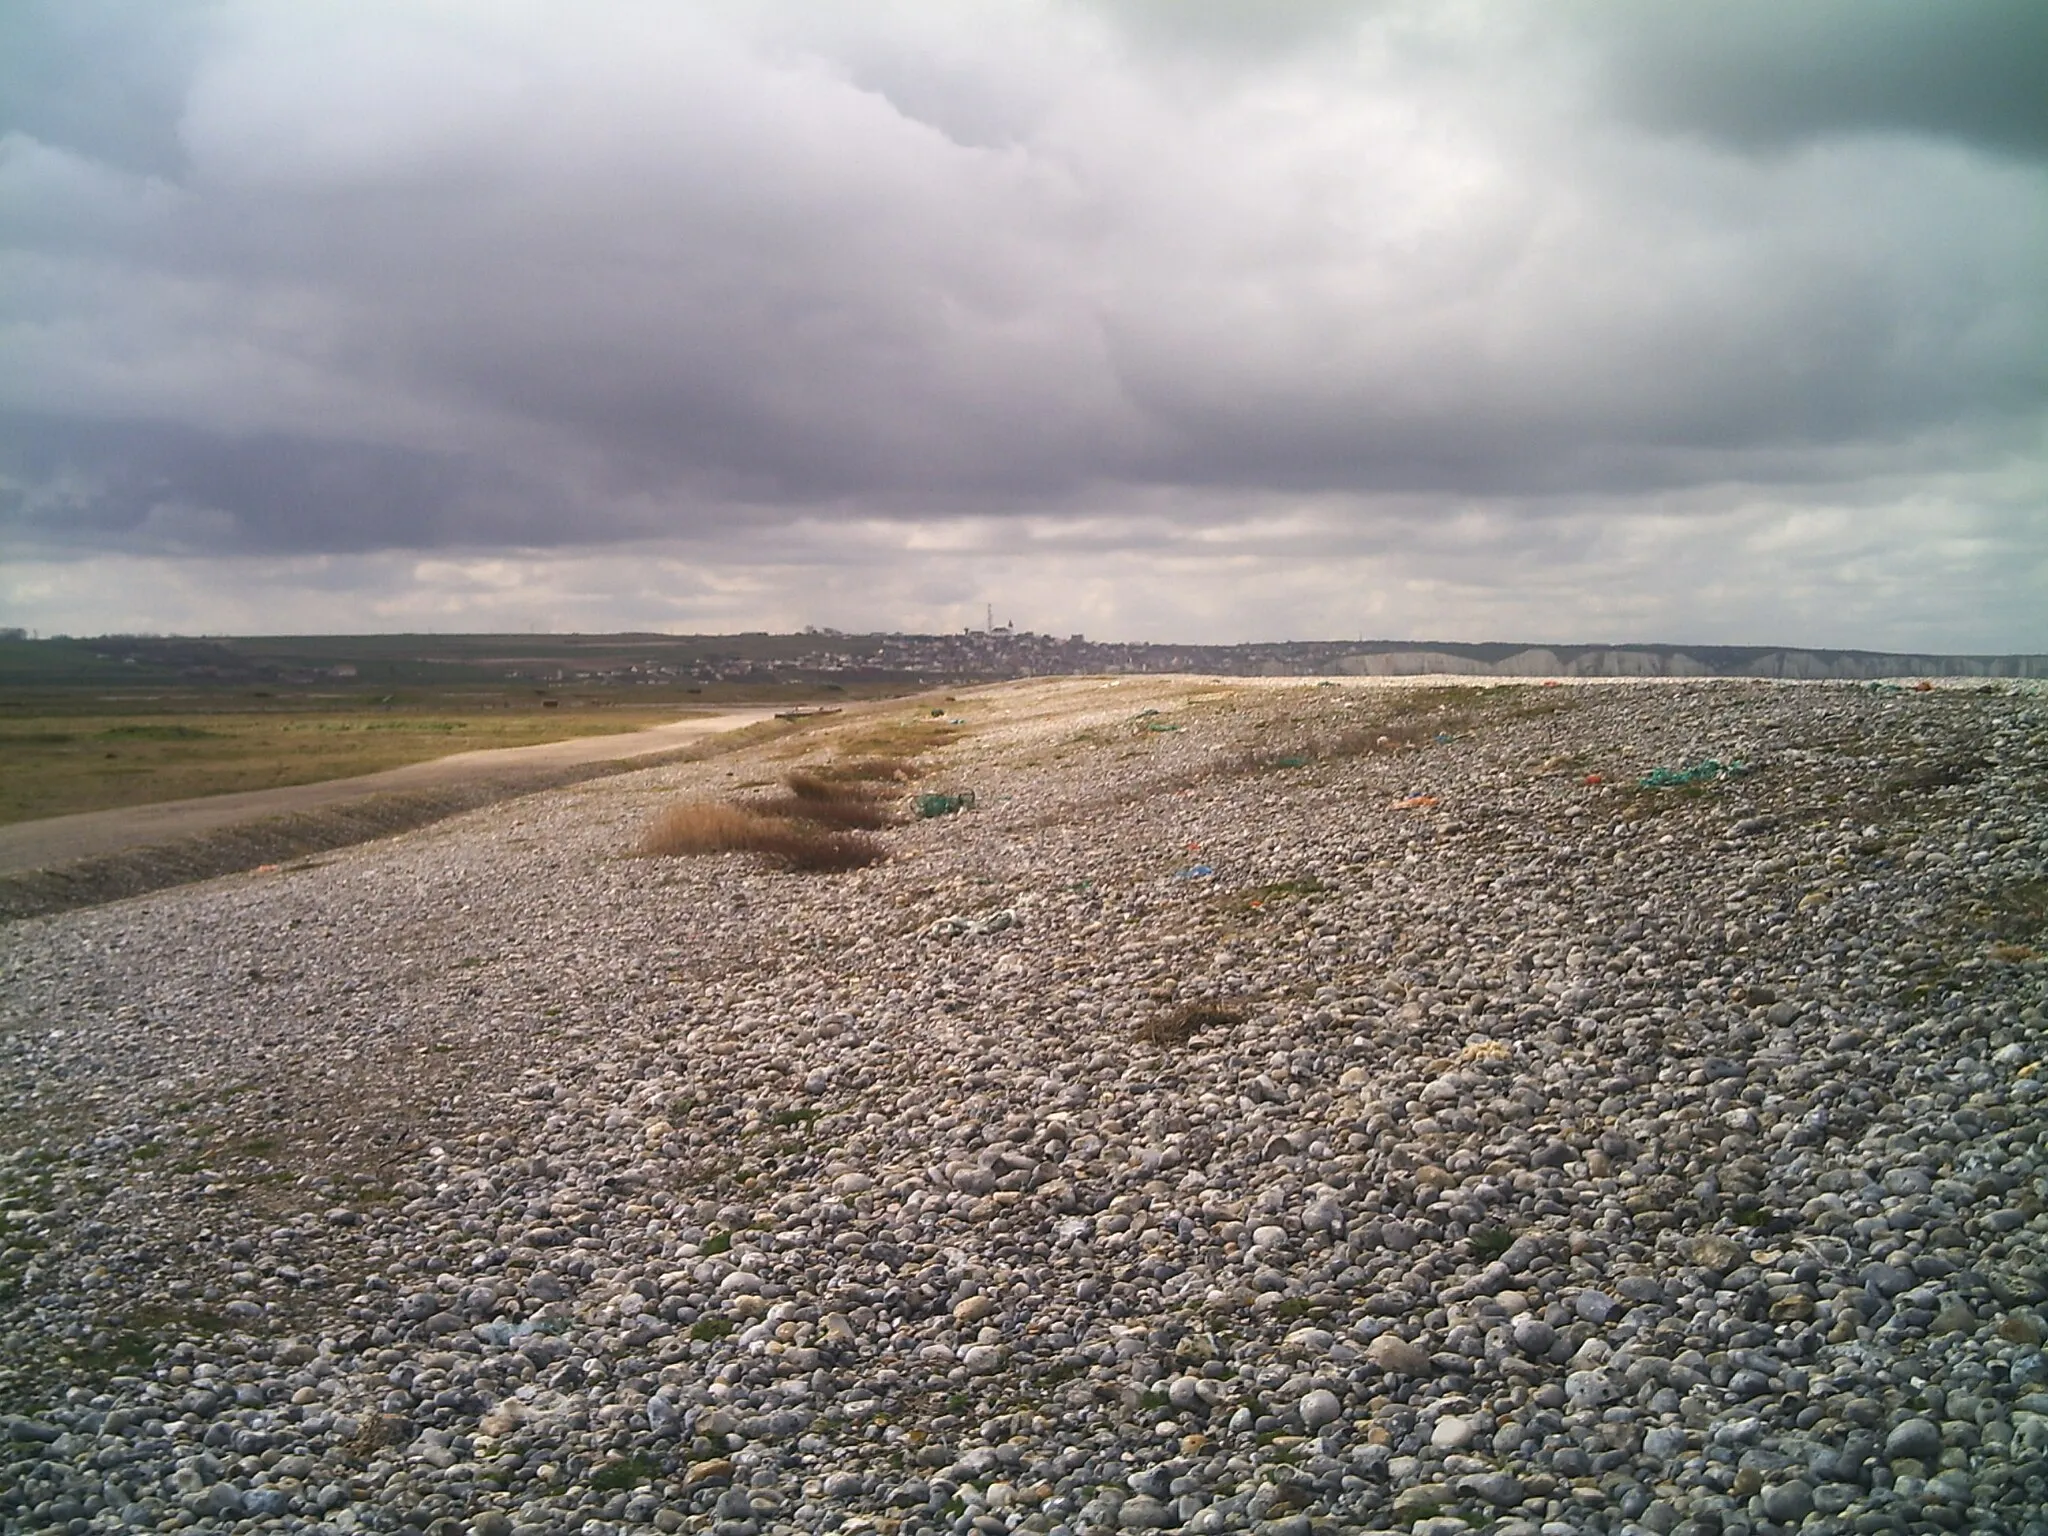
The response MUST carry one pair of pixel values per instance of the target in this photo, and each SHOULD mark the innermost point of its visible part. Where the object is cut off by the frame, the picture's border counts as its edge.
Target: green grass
(626, 1472)
(1489, 1243)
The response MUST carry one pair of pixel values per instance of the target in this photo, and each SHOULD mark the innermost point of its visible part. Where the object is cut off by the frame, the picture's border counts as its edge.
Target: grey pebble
(1915, 1439)
(1788, 1502)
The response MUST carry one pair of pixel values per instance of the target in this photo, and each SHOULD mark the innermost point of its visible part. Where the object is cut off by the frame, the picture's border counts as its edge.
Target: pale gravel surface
(1586, 1158)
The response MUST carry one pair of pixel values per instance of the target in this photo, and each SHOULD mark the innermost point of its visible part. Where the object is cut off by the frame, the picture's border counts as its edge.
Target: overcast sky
(1155, 319)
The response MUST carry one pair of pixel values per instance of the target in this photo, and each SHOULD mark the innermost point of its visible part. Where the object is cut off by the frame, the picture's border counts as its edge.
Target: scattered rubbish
(1443, 737)
(936, 713)
(1195, 872)
(1292, 760)
(1592, 779)
(1923, 686)
(1415, 803)
(1161, 725)
(504, 1333)
(1700, 773)
(973, 927)
(929, 806)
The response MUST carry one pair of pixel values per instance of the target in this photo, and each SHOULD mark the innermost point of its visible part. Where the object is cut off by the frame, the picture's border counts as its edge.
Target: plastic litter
(1161, 725)
(503, 1333)
(1415, 803)
(1699, 773)
(1196, 872)
(929, 806)
(1592, 779)
(1291, 760)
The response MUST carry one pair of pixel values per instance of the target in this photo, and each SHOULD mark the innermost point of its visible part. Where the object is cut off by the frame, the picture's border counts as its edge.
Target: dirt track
(69, 861)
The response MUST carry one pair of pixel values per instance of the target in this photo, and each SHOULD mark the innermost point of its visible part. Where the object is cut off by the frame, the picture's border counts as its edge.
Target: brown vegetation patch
(845, 804)
(1185, 1022)
(841, 772)
(800, 846)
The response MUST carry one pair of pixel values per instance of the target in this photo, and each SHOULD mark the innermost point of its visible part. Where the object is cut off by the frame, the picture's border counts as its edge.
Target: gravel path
(1275, 1107)
(27, 845)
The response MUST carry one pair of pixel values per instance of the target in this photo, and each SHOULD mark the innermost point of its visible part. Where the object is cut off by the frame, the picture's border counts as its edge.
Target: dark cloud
(304, 279)
(1763, 74)
(164, 486)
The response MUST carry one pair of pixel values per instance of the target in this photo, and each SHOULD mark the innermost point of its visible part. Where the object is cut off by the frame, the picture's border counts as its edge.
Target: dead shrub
(801, 846)
(851, 814)
(1185, 1022)
(805, 848)
(848, 804)
(702, 826)
(872, 770)
(806, 784)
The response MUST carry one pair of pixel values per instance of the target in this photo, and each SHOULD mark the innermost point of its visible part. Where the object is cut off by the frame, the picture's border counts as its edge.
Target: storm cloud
(997, 293)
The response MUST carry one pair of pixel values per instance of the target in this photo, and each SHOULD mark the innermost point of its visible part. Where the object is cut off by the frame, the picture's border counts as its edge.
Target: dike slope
(1276, 1107)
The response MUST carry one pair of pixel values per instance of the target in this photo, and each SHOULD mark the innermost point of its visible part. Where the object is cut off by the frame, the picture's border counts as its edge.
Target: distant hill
(375, 664)
(1394, 660)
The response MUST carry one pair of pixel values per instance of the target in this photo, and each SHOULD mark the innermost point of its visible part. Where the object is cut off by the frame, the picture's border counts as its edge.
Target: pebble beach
(1273, 1106)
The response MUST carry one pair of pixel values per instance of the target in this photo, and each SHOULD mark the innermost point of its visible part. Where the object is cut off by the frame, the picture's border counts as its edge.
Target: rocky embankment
(1278, 1108)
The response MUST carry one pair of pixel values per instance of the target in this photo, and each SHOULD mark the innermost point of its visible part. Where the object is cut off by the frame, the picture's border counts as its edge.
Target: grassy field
(57, 761)
(89, 725)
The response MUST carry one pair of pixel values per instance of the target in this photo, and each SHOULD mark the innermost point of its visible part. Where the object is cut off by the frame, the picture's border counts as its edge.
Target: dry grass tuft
(701, 826)
(820, 820)
(808, 784)
(801, 846)
(853, 813)
(1186, 1021)
(873, 770)
(807, 849)
(849, 805)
